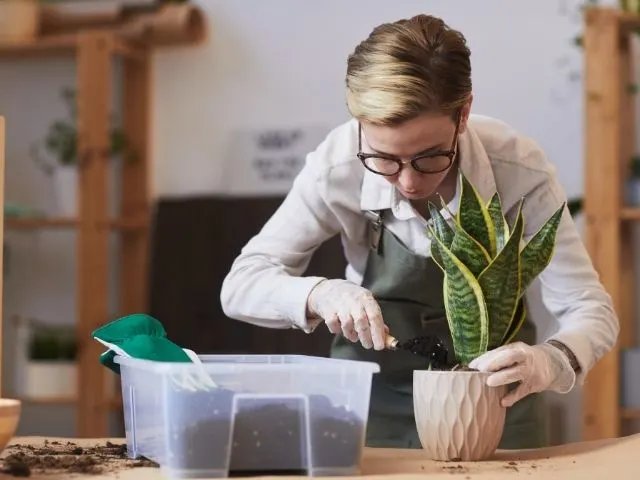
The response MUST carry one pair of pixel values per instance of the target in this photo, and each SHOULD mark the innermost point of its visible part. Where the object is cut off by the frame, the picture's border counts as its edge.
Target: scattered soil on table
(456, 469)
(57, 457)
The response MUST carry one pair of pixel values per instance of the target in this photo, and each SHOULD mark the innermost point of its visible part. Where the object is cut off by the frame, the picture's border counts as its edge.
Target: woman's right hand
(349, 309)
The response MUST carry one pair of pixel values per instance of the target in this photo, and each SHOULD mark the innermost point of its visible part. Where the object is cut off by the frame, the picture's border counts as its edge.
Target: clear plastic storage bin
(265, 414)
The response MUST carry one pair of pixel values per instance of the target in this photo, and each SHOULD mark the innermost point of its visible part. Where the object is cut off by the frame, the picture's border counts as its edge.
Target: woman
(409, 92)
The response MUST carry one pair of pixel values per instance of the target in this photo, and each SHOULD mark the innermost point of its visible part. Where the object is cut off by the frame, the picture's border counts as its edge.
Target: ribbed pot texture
(458, 416)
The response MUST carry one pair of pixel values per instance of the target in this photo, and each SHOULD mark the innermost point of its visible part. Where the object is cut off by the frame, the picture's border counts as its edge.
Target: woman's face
(422, 135)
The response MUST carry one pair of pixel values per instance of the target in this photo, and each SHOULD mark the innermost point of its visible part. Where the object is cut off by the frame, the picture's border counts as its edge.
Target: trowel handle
(390, 342)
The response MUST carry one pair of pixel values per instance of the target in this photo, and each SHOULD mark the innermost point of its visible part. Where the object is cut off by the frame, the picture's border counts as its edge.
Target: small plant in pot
(51, 369)
(57, 155)
(486, 272)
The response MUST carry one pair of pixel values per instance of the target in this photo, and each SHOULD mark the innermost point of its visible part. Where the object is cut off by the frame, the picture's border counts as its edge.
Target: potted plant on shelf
(51, 368)
(486, 271)
(61, 161)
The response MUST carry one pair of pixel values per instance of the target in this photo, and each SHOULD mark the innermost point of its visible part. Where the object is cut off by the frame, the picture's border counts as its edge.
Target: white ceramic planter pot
(19, 20)
(458, 416)
(65, 184)
(51, 379)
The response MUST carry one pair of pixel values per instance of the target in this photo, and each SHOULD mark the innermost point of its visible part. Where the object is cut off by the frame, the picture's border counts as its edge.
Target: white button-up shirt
(328, 197)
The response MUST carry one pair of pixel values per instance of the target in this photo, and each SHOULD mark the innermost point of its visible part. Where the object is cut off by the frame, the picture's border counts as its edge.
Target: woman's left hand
(537, 368)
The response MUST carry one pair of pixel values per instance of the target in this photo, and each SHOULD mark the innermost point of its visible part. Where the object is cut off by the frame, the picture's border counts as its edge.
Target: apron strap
(375, 227)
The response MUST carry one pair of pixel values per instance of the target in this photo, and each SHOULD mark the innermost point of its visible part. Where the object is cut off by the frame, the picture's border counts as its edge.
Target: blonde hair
(407, 68)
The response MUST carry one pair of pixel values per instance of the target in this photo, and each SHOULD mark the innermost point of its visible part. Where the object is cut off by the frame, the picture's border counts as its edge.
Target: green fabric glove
(138, 336)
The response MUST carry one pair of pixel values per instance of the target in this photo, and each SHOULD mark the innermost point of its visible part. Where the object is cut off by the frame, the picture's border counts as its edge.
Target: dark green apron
(408, 288)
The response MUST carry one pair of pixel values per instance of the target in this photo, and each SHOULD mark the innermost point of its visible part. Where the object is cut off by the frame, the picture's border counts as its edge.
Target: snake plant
(486, 269)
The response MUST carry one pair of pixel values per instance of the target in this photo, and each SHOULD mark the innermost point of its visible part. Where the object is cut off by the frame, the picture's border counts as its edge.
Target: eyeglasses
(389, 165)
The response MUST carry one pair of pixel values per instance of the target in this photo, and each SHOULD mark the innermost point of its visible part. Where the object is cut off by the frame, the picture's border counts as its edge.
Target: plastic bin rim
(327, 364)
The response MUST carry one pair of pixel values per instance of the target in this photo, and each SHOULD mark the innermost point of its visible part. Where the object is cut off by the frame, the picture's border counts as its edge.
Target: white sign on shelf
(266, 161)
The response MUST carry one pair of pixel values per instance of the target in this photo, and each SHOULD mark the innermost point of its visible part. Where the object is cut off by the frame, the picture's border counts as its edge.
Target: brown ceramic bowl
(9, 416)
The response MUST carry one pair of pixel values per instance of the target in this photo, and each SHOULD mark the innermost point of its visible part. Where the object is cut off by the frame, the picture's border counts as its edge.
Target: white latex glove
(537, 368)
(349, 309)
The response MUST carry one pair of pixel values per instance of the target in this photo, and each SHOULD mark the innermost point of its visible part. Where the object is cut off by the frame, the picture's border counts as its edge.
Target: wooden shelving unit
(609, 145)
(94, 52)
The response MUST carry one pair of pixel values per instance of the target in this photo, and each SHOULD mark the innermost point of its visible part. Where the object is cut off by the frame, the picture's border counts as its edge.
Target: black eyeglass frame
(451, 154)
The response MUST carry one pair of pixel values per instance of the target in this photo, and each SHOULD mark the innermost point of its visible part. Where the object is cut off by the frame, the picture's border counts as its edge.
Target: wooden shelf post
(609, 145)
(136, 182)
(94, 71)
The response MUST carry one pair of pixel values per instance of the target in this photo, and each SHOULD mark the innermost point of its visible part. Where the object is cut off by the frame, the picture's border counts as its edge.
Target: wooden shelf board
(48, 400)
(629, 21)
(114, 403)
(49, 45)
(42, 223)
(34, 223)
(630, 213)
(65, 45)
(630, 413)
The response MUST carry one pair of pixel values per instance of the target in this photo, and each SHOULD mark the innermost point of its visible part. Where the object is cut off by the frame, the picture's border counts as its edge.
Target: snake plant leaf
(494, 207)
(435, 250)
(446, 207)
(465, 307)
(500, 283)
(474, 217)
(469, 251)
(441, 229)
(537, 254)
(516, 323)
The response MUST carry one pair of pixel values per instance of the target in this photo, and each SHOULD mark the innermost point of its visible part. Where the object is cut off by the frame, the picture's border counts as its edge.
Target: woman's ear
(464, 114)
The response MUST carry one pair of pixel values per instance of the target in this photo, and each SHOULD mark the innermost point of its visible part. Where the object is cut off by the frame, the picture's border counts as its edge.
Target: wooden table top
(615, 459)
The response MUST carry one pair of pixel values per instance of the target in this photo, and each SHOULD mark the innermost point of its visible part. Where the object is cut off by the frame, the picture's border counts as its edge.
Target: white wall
(281, 64)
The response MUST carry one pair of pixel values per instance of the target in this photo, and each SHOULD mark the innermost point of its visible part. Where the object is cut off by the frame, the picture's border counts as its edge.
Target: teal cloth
(140, 336)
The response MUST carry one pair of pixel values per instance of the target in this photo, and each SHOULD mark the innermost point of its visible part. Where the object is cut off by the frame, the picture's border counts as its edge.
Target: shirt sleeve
(264, 286)
(570, 286)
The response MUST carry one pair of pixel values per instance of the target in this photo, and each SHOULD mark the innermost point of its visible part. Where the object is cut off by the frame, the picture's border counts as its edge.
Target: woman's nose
(409, 179)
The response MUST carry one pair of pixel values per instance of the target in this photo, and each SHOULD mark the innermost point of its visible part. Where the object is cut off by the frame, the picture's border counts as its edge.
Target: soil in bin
(55, 457)
(268, 436)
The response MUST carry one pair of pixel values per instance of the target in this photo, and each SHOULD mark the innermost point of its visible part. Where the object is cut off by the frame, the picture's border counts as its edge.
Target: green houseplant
(52, 344)
(61, 141)
(486, 272)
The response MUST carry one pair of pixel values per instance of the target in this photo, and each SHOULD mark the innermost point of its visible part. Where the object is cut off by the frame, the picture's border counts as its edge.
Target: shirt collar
(378, 194)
